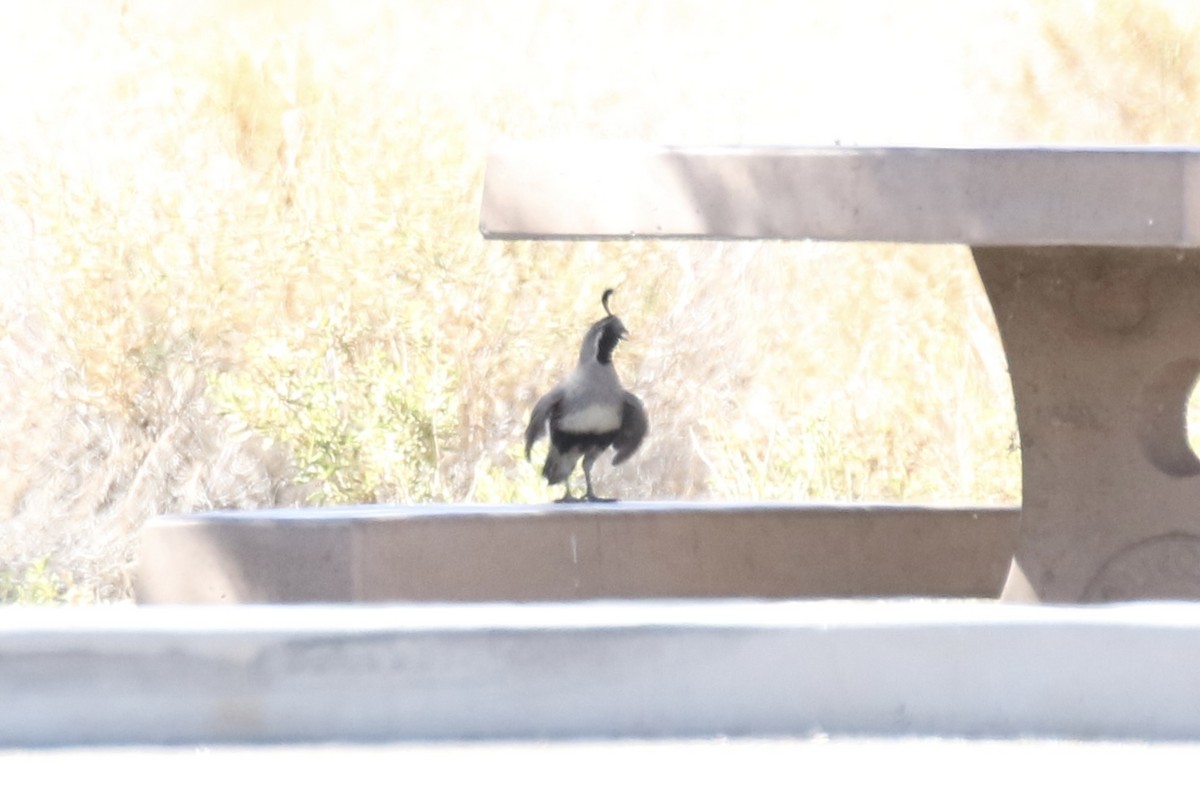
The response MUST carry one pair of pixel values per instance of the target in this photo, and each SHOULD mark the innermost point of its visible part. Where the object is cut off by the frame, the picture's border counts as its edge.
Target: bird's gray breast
(592, 401)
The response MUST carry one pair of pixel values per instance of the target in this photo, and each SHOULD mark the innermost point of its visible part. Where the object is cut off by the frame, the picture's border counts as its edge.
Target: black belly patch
(565, 441)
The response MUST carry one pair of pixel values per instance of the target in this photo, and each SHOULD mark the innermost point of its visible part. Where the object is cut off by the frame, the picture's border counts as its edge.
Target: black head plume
(604, 336)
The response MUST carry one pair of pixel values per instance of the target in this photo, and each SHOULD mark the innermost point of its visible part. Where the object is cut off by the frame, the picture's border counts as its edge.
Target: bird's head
(604, 336)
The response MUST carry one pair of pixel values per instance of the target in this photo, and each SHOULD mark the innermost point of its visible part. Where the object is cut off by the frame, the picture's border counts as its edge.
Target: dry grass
(241, 264)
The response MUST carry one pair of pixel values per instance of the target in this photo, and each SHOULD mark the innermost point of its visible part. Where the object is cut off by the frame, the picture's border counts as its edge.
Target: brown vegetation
(241, 264)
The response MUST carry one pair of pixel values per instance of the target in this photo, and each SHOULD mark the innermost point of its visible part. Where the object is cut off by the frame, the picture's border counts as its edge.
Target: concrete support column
(1103, 345)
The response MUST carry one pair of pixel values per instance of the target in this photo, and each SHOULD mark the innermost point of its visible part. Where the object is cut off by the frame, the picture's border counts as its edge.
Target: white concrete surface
(274, 674)
(734, 768)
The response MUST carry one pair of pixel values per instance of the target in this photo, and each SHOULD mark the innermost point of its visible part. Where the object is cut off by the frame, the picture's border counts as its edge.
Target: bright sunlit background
(240, 263)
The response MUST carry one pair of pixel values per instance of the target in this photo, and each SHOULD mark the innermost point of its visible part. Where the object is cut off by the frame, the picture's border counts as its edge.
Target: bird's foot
(591, 498)
(570, 498)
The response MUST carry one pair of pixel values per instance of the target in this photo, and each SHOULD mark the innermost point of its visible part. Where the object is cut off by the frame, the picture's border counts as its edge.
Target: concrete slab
(566, 552)
(289, 674)
(1126, 197)
(828, 768)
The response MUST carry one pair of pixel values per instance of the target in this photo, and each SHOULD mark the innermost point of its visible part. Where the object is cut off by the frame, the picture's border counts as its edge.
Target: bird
(588, 412)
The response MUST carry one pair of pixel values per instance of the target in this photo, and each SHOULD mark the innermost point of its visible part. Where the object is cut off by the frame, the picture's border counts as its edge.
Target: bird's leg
(567, 496)
(588, 460)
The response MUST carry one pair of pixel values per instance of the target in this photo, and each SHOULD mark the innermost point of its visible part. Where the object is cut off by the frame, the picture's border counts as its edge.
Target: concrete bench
(574, 552)
(1091, 260)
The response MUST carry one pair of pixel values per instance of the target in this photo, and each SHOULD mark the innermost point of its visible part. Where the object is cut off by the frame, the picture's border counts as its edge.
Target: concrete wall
(598, 669)
(551, 552)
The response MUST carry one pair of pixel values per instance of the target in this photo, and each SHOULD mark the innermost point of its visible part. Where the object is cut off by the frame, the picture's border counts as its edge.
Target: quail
(588, 412)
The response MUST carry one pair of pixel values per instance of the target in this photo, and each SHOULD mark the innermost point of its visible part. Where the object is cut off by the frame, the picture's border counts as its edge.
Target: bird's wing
(541, 413)
(633, 428)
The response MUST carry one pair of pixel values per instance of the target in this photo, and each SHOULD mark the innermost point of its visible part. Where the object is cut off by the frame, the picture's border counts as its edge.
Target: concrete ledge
(648, 669)
(698, 769)
(554, 552)
(1137, 196)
